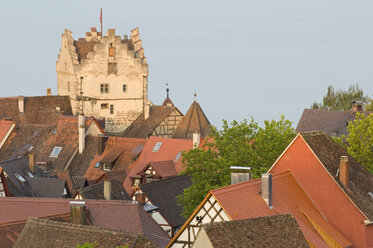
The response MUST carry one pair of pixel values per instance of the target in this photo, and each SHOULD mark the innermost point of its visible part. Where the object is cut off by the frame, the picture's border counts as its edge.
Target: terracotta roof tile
(48, 233)
(243, 201)
(5, 129)
(84, 47)
(96, 191)
(270, 231)
(195, 120)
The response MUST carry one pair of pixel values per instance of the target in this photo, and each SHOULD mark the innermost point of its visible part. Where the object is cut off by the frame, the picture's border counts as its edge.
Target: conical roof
(195, 120)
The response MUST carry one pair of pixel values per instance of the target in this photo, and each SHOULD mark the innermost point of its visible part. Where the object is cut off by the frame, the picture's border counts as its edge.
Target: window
(68, 86)
(157, 146)
(55, 152)
(21, 178)
(104, 88)
(97, 165)
(104, 105)
(111, 109)
(136, 182)
(124, 87)
(111, 51)
(178, 156)
(106, 167)
(112, 68)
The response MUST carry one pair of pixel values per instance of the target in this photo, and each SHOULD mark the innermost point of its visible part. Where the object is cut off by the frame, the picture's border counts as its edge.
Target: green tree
(341, 99)
(359, 140)
(238, 144)
(369, 105)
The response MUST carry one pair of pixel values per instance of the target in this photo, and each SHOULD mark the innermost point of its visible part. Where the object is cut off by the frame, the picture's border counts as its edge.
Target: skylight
(157, 146)
(97, 165)
(55, 152)
(21, 178)
(29, 174)
(370, 194)
(178, 156)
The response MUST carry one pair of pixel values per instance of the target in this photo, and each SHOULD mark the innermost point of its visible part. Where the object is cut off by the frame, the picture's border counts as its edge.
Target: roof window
(19, 177)
(55, 152)
(178, 156)
(157, 146)
(29, 174)
(97, 165)
(370, 194)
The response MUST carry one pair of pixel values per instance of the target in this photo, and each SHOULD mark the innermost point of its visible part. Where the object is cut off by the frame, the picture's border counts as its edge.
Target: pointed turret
(195, 121)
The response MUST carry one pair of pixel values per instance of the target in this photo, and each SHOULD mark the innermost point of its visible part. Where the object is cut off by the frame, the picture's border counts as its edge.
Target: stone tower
(105, 77)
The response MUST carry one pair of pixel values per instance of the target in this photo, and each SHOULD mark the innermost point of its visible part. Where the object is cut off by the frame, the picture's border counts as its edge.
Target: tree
(238, 144)
(359, 140)
(340, 99)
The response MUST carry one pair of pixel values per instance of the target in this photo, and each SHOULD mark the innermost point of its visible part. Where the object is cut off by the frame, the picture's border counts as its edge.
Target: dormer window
(157, 146)
(55, 152)
(106, 167)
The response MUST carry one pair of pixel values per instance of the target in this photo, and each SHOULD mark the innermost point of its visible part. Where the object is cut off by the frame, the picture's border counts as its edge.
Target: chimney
(146, 112)
(357, 106)
(31, 162)
(196, 139)
(267, 188)
(81, 126)
(140, 198)
(49, 91)
(107, 189)
(240, 174)
(21, 104)
(344, 171)
(101, 144)
(77, 212)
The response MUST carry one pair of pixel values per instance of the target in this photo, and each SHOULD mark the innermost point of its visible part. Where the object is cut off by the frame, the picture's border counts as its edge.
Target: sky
(244, 58)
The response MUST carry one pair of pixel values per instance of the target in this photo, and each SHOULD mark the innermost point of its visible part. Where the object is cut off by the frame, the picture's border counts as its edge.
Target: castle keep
(106, 77)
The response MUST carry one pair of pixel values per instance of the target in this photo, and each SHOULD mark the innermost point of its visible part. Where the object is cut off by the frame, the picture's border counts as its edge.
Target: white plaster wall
(202, 240)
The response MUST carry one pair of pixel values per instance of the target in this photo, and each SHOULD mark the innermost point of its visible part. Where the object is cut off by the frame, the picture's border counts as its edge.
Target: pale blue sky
(245, 58)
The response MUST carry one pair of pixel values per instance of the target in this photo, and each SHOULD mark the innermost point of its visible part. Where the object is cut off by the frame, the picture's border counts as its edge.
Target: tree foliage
(341, 99)
(359, 140)
(238, 144)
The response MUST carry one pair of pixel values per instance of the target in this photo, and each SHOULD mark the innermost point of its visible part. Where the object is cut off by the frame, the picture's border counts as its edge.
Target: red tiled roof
(126, 145)
(164, 168)
(5, 126)
(167, 151)
(118, 215)
(243, 201)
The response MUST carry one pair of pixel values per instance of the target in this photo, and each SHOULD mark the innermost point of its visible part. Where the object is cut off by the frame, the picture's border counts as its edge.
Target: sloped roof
(96, 191)
(360, 180)
(48, 233)
(330, 122)
(195, 120)
(243, 201)
(127, 145)
(84, 47)
(119, 175)
(10, 231)
(167, 151)
(168, 102)
(47, 187)
(37, 109)
(164, 168)
(142, 128)
(163, 194)
(65, 175)
(118, 215)
(5, 127)
(269, 231)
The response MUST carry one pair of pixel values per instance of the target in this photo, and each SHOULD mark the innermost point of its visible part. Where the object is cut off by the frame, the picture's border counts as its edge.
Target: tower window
(104, 105)
(112, 68)
(111, 109)
(124, 87)
(104, 88)
(111, 51)
(68, 86)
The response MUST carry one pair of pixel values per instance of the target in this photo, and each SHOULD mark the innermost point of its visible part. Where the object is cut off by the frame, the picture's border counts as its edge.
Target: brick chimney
(267, 188)
(344, 171)
(77, 212)
(107, 190)
(196, 139)
(140, 198)
(31, 162)
(146, 111)
(81, 126)
(357, 106)
(21, 104)
(240, 174)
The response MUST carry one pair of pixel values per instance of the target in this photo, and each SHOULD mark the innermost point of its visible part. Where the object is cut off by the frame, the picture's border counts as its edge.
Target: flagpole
(101, 21)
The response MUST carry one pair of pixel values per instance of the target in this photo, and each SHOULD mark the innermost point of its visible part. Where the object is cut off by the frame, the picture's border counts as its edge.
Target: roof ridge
(165, 179)
(16, 222)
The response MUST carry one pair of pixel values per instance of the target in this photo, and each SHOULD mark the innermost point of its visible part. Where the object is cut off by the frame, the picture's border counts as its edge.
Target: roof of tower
(195, 120)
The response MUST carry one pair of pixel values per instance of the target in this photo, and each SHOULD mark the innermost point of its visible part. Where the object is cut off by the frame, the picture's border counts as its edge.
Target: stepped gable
(195, 120)
(360, 180)
(163, 194)
(10, 231)
(48, 233)
(96, 191)
(36, 110)
(143, 128)
(268, 231)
